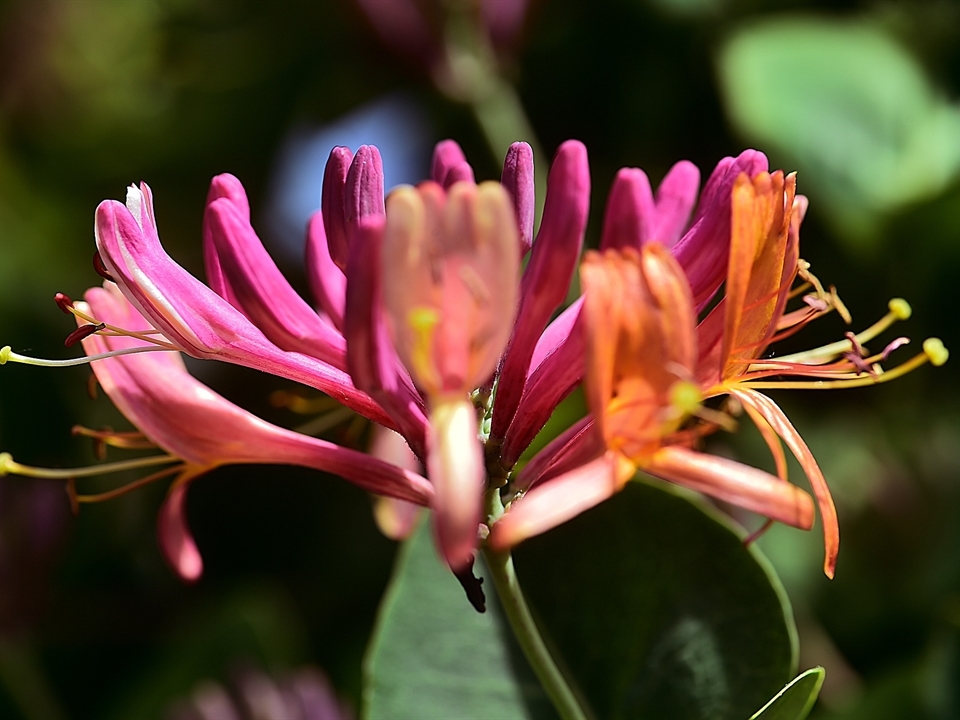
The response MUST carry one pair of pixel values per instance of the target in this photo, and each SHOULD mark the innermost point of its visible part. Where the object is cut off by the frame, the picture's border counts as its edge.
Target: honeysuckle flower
(634, 216)
(764, 262)
(451, 261)
(641, 358)
(200, 430)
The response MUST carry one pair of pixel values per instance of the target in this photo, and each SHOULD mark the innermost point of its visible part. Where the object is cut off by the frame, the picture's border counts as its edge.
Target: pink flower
(203, 430)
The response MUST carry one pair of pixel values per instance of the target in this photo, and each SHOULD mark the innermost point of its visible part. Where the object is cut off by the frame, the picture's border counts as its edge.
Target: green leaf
(849, 106)
(659, 611)
(433, 656)
(796, 700)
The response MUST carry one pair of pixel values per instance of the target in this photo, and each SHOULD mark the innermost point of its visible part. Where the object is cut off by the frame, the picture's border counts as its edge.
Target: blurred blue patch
(395, 123)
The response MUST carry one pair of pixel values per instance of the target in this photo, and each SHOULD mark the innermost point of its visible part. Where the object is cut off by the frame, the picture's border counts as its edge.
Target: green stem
(525, 630)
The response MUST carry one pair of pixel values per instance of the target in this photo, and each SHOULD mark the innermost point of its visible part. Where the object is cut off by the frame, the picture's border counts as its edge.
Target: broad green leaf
(796, 700)
(433, 656)
(659, 611)
(849, 106)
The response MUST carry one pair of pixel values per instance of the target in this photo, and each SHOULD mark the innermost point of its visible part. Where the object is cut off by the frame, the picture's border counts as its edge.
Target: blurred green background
(859, 97)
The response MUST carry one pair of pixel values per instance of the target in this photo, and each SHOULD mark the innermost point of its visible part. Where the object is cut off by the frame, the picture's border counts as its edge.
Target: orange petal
(772, 413)
(735, 483)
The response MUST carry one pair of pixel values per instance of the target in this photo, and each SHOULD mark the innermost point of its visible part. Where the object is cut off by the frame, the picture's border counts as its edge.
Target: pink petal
(556, 501)
(363, 197)
(517, 178)
(676, 197)
(630, 212)
(703, 250)
(262, 292)
(546, 280)
(450, 165)
(371, 358)
(333, 204)
(577, 445)
(733, 482)
(455, 466)
(174, 536)
(194, 317)
(561, 366)
(327, 281)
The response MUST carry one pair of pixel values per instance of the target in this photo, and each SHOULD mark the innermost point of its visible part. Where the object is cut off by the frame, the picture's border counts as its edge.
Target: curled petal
(547, 277)
(560, 499)
(758, 404)
(735, 483)
(455, 466)
(173, 533)
(517, 178)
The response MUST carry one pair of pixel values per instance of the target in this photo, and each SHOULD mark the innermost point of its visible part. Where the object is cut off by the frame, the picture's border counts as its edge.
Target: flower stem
(525, 630)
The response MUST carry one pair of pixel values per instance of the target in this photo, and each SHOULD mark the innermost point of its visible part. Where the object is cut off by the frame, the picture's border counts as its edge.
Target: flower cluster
(423, 324)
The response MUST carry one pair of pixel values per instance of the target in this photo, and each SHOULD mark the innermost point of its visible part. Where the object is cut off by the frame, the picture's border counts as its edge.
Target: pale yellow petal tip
(5, 352)
(935, 351)
(900, 308)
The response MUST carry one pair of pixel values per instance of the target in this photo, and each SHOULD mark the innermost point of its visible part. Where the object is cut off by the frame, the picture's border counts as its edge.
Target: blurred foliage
(96, 94)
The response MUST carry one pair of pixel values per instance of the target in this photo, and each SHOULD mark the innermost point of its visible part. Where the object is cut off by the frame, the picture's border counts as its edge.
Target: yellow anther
(6, 460)
(685, 397)
(5, 354)
(900, 308)
(935, 351)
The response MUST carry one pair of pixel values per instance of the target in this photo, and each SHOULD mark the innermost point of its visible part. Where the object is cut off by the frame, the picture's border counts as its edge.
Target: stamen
(101, 268)
(64, 303)
(7, 355)
(112, 438)
(8, 466)
(899, 309)
(934, 352)
(84, 331)
(123, 489)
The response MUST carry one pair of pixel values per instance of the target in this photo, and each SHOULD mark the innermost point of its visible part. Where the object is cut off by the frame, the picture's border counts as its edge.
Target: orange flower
(764, 262)
(641, 359)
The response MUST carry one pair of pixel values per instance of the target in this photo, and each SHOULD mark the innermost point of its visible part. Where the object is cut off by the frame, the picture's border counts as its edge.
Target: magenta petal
(631, 212)
(517, 178)
(578, 444)
(327, 281)
(547, 278)
(550, 381)
(194, 317)
(704, 250)
(333, 204)
(371, 358)
(264, 295)
(676, 197)
(450, 165)
(363, 195)
(222, 186)
(173, 534)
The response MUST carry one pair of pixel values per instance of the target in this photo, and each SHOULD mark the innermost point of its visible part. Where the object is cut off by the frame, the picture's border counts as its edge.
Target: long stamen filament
(114, 331)
(933, 352)
(899, 310)
(8, 355)
(8, 466)
(129, 487)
